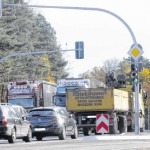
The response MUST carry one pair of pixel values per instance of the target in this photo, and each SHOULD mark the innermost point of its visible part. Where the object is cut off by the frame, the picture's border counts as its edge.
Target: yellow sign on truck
(97, 99)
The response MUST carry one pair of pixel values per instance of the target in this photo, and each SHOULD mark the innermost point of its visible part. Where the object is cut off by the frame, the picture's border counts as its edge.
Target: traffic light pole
(32, 53)
(136, 87)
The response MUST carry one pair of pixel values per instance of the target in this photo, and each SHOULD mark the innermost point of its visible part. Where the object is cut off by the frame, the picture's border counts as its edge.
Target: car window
(24, 112)
(11, 112)
(63, 112)
(20, 111)
(41, 112)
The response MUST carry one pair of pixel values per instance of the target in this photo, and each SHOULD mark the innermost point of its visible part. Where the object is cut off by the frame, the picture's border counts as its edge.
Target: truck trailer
(85, 104)
(30, 94)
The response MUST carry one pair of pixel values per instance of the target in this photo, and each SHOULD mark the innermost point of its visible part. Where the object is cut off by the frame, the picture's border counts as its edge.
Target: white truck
(30, 94)
(72, 83)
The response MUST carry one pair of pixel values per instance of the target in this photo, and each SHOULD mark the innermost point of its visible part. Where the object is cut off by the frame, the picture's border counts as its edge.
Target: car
(13, 123)
(52, 121)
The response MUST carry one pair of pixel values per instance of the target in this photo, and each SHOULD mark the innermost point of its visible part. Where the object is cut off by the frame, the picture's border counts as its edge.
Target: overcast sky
(104, 36)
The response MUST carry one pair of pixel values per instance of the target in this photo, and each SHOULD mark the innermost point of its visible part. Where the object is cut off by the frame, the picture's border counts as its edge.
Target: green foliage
(22, 30)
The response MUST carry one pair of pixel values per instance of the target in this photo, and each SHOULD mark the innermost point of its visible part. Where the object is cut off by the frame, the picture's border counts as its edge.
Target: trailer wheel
(131, 127)
(86, 131)
(39, 138)
(123, 124)
(142, 129)
(114, 129)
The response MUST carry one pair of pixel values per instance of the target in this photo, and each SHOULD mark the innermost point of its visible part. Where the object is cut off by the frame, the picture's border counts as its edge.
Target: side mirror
(41, 103)
(24, 117)
(53, 99)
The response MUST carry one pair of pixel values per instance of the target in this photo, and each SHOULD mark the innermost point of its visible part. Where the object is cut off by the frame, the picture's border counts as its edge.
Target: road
(98, 142)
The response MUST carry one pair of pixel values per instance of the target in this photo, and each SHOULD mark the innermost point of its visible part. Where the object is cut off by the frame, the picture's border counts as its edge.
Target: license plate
(39, 129)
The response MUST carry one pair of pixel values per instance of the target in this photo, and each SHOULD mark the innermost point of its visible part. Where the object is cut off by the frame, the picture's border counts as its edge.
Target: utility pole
(135, 52)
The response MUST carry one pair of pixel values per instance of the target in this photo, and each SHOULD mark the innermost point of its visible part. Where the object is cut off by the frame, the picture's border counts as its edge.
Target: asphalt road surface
(93, 142)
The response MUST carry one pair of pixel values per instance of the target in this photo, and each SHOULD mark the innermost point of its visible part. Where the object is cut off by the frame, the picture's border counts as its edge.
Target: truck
(119, 104)
(71, 83)
(30, 94)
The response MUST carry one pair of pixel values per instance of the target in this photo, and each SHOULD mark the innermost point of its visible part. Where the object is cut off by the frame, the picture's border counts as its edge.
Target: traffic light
(134, 74)
(79, 50)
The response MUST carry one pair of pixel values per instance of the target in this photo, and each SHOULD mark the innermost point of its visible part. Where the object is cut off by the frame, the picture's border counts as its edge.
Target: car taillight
(4, 121)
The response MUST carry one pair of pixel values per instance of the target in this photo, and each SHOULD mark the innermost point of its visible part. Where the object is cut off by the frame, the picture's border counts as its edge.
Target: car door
(68, 121)
(24, 122)
(15, 120)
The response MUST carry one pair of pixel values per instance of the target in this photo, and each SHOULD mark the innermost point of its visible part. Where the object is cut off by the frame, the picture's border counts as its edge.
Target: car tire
(12, 138)
(62, 135)
(39, 138)
(75, 134)
(87, 131)
(28, 138)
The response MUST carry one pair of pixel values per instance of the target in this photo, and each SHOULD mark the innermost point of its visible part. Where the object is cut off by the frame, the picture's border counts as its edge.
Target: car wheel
(28, 138)
(12, 138)
(62, 135)
(39, 138)
(75, 135)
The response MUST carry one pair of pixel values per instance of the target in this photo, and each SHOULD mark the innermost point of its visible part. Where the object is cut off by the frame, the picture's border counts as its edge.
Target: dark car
(52, 121)
(13, 123)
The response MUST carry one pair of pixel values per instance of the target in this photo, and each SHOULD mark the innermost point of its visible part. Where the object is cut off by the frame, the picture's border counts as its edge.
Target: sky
(105, 37)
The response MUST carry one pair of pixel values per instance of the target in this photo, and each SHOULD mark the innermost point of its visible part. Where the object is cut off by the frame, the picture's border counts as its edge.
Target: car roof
(5, 104)
(18, 106)
(55, 108)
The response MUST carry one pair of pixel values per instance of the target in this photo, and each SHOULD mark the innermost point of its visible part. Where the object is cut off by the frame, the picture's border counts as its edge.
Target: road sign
(136, 51)
(79, 50)
(102, 123)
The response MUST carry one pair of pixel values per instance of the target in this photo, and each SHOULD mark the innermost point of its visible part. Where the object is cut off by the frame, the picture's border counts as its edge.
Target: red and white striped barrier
(102, 123)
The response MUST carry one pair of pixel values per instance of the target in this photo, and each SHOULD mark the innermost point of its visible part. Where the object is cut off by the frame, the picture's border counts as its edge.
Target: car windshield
(47, 112)
(61, 89)
(60, 101)
(25, 102)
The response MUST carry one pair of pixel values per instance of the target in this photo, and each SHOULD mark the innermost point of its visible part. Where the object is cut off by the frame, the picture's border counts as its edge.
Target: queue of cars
(16, 123)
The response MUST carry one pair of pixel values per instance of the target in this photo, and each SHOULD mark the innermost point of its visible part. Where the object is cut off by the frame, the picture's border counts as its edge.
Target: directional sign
(136, 51)
(102, 123)
(79, 50)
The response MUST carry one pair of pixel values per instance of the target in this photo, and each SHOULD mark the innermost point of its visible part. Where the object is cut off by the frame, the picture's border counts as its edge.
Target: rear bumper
(4, 132)
(46, 131)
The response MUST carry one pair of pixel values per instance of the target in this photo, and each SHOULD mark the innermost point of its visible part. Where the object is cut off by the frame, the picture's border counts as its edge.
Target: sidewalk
(128, 136)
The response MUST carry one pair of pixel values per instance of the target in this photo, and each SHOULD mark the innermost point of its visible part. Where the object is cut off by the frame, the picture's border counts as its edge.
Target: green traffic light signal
(134, 74)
